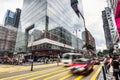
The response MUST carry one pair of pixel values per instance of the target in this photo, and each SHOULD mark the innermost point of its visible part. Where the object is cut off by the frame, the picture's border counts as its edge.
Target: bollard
(104, 75)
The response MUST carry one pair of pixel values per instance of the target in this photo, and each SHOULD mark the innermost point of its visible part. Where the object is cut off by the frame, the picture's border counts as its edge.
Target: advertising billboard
(117, 17)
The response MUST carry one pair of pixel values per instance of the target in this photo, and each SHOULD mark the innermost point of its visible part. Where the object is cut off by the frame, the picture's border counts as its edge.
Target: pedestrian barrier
(103, 70)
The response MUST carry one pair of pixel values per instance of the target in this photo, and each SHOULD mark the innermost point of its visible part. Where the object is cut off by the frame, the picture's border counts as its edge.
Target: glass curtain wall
(64, 23)
(33, 13)
(52, 19)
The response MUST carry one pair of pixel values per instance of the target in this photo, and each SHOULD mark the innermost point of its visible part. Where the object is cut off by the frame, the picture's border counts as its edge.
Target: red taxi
(81, 66)
(96, 61)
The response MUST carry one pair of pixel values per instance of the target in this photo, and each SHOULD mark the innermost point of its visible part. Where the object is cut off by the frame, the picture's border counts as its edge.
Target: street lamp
(32, 57)
(76, 31)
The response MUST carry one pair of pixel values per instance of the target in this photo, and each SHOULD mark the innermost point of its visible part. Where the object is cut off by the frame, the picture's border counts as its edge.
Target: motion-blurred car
(96, 61)
(81, 66)
(101, 59)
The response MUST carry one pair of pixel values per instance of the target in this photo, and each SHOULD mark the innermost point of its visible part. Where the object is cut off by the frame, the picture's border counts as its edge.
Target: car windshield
(95, 58)
(83, 61)
(67, 56)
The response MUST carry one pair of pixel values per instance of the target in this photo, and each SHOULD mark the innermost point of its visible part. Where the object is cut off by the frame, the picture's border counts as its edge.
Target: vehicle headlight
(70, 68)
(81, 69)
(76, 67)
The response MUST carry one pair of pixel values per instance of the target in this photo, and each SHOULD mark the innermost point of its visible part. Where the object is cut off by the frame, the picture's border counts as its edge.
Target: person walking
(110, 65)
(116, 69)
(106, 63)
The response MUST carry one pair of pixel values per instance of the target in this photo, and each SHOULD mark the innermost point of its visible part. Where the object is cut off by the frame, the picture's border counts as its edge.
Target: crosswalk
(45, 73)
(5, 69)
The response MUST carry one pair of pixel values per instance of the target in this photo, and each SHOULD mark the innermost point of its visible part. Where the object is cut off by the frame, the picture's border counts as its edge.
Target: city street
(39, 39)
(43, 72)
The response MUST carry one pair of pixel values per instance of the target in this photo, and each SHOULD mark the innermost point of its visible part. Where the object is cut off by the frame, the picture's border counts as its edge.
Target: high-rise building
(17, 17)
(109, 42)
(90, 39)
(7, 38)
(12, 18)
(9, 18)
(111, 12)
(49, 26)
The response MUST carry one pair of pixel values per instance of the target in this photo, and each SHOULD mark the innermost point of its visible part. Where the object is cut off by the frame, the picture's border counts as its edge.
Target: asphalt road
(44, 72)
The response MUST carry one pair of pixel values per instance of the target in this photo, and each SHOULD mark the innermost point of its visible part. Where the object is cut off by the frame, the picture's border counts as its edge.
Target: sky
(92, 13)
(93, 20)
(8, 4)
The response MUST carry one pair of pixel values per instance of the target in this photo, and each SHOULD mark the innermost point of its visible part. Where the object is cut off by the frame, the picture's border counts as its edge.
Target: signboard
(117, 17)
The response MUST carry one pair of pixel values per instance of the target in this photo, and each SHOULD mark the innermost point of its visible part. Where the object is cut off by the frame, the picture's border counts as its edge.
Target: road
(42, 72)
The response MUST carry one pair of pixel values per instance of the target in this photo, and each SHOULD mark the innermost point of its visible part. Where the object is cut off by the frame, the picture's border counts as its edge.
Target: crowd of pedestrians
(47, 60)
(17, 61)
(112, 66)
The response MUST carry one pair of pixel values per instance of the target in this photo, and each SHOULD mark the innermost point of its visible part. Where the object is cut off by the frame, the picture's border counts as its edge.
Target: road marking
(95, 66)
(31, 74)
(37, 77)
(96, 74)
(81, 76)
(12, 69)
(65, 77)
(55, 75)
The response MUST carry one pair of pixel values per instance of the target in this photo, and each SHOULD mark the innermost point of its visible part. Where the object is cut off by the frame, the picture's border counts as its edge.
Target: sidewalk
(108, 76)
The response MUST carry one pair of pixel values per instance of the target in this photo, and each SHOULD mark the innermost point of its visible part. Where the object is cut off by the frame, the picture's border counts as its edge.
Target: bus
(68, 58)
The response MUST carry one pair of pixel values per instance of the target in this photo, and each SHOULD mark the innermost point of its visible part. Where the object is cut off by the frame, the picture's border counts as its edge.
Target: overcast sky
(93, 18)
(92, 13)
(8, 4)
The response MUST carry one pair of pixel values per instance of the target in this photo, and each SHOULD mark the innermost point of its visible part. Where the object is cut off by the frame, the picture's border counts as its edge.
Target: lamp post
(76, 31)
(32, 58)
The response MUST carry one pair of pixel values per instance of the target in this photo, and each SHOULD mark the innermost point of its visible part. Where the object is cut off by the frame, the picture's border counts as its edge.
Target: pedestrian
(106, 63)
(110, 64)
(116, 69)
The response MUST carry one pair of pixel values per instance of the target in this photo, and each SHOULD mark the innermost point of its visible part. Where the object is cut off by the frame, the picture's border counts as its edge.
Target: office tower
(50, 27)
(109, 42)
(12, 18)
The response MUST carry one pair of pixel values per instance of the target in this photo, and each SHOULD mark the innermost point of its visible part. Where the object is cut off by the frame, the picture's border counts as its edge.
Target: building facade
(12, 18)
(112, 25)
(109, 42)
(90, 39)
(47, 26)
(112, 13)
(9, 18)
(17, 17)
(7, 39)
